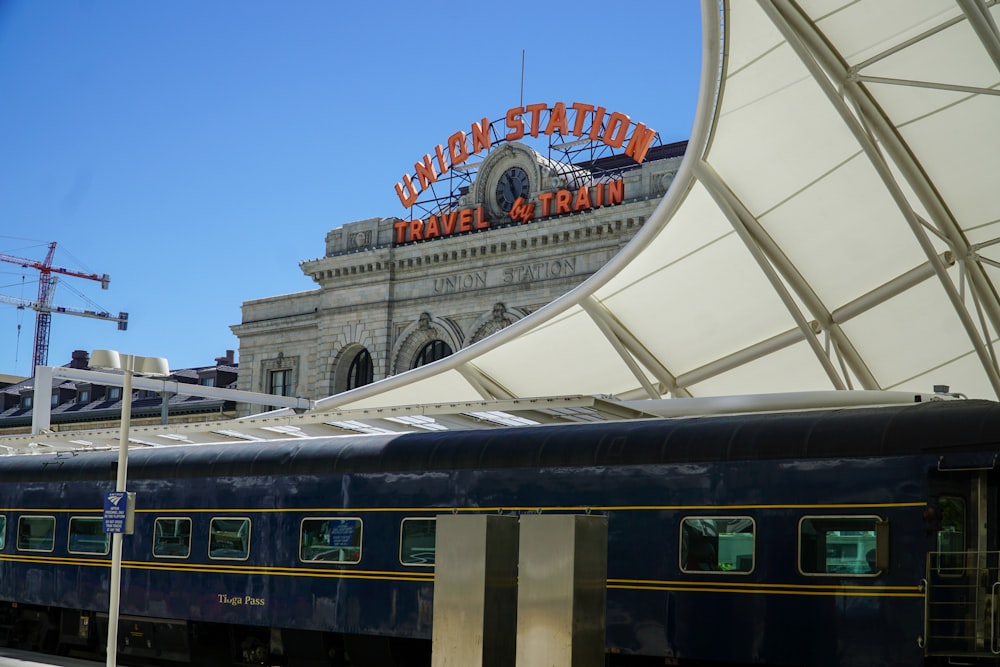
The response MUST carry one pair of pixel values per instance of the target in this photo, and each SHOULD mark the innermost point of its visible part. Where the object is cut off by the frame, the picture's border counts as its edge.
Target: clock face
(513, 183)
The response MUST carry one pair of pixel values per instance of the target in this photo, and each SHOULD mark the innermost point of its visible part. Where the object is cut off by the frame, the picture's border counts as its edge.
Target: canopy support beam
(746, 355)
(862, 304)
(486, 386)
(630, 349)
(890, 289)
(982, 23)
(912, 83)
(773, 261)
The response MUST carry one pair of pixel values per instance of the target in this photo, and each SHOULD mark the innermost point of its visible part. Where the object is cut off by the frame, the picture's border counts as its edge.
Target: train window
(721, 544)
(87, 536)
(36, 533)
(3, 531)
(331, 540)
(416, 541)
(838, 545)
(229, 539)
(951, 536)
(172, 537)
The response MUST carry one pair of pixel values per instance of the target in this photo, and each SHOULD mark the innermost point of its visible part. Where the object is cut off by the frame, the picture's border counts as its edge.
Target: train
(845, 537)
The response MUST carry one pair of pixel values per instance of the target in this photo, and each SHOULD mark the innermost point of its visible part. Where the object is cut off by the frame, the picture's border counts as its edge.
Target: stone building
(395, 294)
(75, 405)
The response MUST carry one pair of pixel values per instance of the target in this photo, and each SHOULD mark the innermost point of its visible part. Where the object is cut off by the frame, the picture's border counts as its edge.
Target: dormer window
(114, 393)
(55, 400)
(83, 396)
(26, 402)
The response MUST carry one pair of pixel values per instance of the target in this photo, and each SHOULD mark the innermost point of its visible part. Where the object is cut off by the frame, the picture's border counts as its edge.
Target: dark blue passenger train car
(857, 537)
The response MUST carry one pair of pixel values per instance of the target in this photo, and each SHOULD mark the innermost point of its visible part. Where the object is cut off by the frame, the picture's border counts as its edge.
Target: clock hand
(508, 187)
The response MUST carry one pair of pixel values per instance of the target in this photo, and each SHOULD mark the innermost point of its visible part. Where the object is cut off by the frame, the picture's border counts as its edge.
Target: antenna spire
(522, 77)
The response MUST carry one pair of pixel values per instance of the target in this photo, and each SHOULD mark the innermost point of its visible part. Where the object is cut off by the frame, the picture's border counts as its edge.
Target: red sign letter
(411, 196)
(614, 134)
(639, 143)
(515, 123)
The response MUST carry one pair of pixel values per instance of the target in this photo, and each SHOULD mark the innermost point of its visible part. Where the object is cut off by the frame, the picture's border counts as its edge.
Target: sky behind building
(198, 151)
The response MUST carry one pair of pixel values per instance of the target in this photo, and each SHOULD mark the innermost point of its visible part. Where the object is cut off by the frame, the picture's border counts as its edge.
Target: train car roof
(938, 427)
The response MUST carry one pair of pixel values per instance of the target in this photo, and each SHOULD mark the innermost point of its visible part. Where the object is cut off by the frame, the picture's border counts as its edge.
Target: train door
(962, 577)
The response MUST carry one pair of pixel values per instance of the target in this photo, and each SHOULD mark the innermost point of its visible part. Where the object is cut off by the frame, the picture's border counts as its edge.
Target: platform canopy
(834, 225)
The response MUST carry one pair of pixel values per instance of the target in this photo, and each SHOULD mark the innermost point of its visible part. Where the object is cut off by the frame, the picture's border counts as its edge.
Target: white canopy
(833, 226)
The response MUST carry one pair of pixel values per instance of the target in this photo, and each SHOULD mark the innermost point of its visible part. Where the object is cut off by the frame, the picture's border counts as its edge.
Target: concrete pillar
(562, 590)
(475, 591)
(41, 406)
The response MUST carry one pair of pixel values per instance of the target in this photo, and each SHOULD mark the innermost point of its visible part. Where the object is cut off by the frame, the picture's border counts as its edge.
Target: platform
(13, 658)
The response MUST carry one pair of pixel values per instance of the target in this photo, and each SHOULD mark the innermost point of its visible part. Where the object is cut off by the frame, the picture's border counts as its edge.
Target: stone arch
(495, 320)
(418, 334)
(342, 366)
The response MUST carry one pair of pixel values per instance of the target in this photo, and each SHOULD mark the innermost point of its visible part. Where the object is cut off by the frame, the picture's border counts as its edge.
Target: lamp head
(105, 359)
(116, 360)
(152, 366)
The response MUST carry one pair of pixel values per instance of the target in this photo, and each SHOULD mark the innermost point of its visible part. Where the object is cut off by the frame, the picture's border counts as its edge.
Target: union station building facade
(503, 219)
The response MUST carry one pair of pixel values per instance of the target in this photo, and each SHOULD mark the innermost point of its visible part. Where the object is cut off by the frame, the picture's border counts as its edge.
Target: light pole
(129, 364)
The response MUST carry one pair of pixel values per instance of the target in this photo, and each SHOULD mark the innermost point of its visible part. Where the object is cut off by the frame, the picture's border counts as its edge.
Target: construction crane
(43, 305)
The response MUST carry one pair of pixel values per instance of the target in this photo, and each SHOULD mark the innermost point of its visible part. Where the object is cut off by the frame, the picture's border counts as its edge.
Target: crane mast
(43, 320)
(43, 305)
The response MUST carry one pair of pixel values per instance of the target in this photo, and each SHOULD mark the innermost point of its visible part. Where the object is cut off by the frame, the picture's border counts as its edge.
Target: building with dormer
(90, 405)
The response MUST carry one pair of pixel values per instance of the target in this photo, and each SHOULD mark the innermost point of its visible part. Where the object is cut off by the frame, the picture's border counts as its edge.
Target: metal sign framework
(591, 158)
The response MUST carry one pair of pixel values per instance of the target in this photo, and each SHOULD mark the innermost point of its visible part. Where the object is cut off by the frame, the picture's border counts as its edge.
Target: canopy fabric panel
(834, 225)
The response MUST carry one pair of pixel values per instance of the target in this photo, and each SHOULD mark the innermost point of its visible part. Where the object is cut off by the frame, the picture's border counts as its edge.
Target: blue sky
(198, 151)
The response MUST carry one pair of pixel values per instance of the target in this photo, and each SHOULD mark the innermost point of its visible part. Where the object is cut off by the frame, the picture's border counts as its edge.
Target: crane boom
(46, 267)
(120, 318)
(43, 305)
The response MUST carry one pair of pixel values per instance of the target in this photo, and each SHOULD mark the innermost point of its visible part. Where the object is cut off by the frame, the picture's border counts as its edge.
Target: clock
(512, 184)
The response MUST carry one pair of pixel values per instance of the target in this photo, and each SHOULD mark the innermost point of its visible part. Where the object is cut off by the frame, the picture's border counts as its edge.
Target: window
(54, 401)
(36, 533)
(229, 539)
(3, 532)
(26, 402)
(279, 382)
(838, 545)
(416, 541)
(172, 538)
(114, 393)
(84, 397)
(87, 536)
(330, 540)
(208, 382)
(724, 544)
(432, 351)
(951, 536)
(361, 371)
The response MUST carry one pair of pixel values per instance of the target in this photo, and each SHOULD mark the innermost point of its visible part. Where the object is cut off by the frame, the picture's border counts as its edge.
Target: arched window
(361, 371)
(432, 351)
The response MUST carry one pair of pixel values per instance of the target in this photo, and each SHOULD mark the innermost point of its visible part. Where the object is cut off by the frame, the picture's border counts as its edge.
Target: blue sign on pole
(115, 511)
